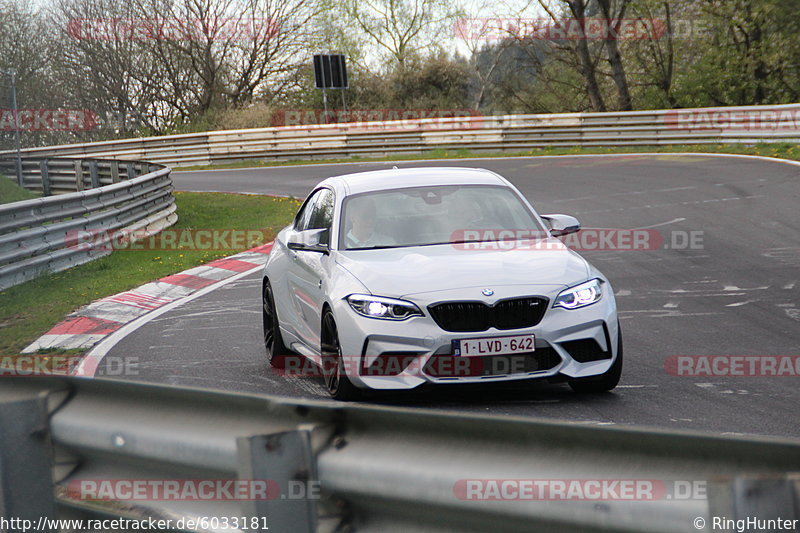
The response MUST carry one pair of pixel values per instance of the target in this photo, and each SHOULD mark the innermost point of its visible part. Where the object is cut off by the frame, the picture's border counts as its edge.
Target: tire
(604, 382)
(336, 381)
(273, 342)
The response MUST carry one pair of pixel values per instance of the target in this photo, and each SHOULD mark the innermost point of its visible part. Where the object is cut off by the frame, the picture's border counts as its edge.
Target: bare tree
(614, 14)
(654, 63)
(585, 60)
(486, 44)
(30, 47)
(402, 29)
(167, 62)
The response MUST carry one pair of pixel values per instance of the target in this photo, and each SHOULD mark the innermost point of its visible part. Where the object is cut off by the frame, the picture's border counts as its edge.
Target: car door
(283, 283)
(308, 270)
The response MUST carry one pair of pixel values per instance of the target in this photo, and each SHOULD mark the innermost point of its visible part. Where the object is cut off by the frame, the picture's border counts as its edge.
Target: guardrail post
(43, 170)
(78, 175)
(286, 461)
(94, 173)
(26, 478)
(115, 172)
(761, 497)
(131, 171)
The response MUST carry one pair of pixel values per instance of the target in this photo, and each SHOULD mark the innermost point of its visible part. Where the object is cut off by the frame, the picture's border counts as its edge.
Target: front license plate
(494, 345)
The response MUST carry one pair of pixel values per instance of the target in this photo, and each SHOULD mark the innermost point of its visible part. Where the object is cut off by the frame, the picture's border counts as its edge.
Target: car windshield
(425, 216)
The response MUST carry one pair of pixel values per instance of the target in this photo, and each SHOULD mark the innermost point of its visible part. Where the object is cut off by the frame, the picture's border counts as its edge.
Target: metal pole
(26, 486)
(13, 75)
(325, 103)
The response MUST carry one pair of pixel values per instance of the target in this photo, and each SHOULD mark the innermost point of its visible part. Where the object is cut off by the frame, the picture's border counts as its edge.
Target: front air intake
(513, 313)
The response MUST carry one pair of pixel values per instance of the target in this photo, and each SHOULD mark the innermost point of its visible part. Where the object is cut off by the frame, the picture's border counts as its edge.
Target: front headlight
(380, 307)
(580, 295)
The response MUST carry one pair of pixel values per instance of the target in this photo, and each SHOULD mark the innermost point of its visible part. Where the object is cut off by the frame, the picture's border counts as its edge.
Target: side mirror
(310, 240)
(562, 224)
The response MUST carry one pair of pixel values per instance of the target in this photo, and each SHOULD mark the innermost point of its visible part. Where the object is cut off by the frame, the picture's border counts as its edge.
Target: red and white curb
(91, 324)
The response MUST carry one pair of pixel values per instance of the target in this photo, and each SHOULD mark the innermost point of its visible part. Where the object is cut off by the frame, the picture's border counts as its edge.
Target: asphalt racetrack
(725, 281)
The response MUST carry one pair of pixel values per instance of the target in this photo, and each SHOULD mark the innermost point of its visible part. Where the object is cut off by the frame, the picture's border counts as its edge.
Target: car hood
(398, 272)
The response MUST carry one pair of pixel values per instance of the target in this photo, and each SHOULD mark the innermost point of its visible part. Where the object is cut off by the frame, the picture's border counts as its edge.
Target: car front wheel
(336, 381)
(273, 342)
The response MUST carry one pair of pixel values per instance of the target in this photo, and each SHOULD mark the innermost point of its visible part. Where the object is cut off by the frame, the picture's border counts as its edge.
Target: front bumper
(391, 355)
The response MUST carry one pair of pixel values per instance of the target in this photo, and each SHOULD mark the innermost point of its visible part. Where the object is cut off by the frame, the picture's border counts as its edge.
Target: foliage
(401, 54)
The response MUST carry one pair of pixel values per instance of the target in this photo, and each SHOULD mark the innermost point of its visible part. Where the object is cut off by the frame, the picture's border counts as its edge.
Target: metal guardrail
(40, 235)
(50, 176)
(377, 468)
(754, 124)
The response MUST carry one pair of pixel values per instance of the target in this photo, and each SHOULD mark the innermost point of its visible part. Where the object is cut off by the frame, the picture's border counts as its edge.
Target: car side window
(322, 214)
(303, 217)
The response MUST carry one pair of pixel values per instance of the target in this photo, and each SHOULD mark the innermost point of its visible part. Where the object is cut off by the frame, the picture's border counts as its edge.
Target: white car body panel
(401, 272)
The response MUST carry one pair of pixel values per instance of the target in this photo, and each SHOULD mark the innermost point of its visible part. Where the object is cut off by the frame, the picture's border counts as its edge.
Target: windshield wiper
(455, 242)
(376, 247)
(465, 241)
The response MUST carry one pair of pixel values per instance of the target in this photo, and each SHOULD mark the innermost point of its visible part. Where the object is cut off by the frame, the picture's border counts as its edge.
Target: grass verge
(30, 309)
(779, 150)
(11, 192)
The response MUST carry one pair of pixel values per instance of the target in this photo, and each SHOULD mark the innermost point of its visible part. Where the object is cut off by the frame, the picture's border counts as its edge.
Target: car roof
(379, 180)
